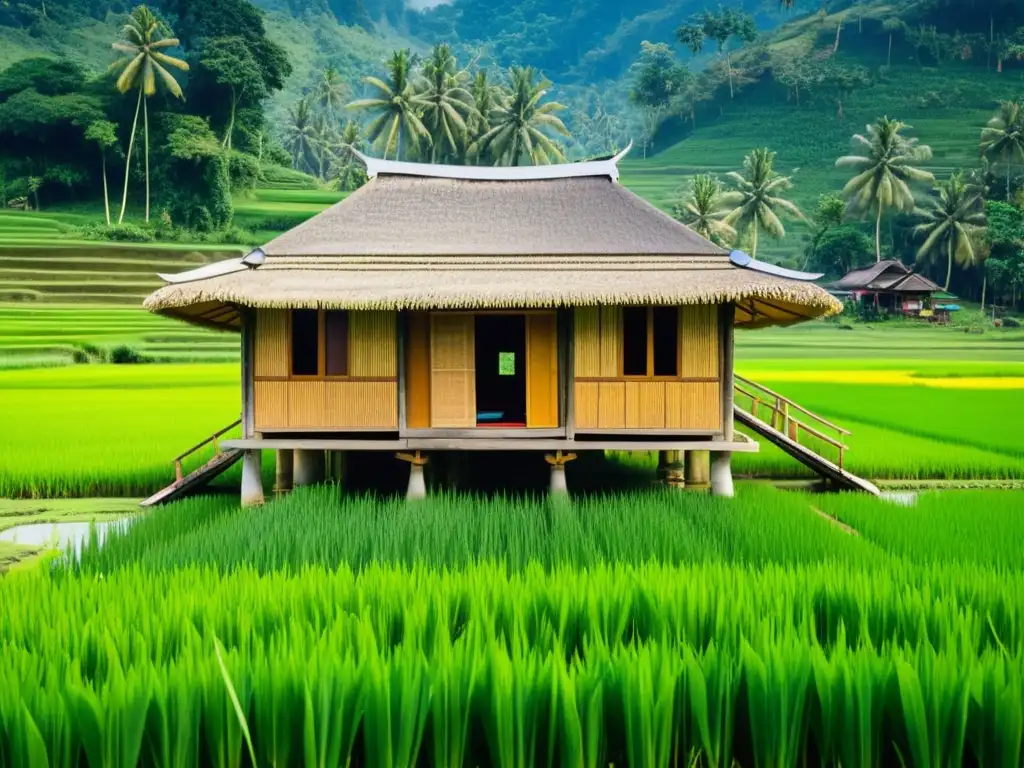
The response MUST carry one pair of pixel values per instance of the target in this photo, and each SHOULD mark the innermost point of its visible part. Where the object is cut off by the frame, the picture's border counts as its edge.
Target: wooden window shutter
(452, 371)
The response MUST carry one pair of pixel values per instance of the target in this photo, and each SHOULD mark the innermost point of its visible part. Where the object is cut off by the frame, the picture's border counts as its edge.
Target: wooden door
(542, 370)
(452, 371)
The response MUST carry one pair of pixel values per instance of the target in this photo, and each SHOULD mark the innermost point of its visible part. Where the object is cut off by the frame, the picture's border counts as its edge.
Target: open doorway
(500, 370)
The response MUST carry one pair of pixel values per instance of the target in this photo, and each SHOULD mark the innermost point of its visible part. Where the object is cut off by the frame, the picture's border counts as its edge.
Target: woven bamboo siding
(271, 342)
(271, 404)
(605, 399)
(611, 340)
(699, 334)
(362, 404)
(587, 342)
(417, 371)
(542, 370)
(452, 371)
(372, 344)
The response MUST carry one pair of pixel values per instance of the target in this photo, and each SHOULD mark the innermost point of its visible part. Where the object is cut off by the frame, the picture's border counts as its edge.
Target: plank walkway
(195, 480)
(813, 461)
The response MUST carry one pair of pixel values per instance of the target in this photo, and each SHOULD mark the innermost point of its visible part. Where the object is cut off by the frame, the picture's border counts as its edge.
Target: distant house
(889, 286)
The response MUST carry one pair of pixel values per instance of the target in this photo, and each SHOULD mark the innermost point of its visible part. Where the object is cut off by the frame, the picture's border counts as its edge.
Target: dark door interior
(501, 370)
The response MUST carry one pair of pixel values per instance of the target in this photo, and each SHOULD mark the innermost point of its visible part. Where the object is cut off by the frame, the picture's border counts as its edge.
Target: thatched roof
(427, 237)
(887, 276)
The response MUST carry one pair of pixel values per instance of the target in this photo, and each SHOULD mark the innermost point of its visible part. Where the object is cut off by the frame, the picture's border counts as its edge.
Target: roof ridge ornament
(605, 167)
(746, 261)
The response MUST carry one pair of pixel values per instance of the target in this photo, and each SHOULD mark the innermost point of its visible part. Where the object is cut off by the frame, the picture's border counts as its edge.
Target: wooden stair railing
(783, 420)
(179, 474)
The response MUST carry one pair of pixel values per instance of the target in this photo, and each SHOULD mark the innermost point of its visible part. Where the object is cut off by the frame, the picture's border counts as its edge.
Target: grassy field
(650, 629)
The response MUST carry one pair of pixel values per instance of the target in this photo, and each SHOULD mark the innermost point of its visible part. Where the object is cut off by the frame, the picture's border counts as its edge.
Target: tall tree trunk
(754, 248)
(145, 122)
(728, 66)
(991, 38)
(1009, 157)
(888, 62)
(984, 287)
(128, 159)
(231, 122)
(949, 263)
(839, 31)
(878, 234)
(106, 196)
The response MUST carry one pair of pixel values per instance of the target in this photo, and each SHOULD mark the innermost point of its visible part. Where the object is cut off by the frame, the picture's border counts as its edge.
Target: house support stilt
(337, 466)
(721, 475)
(698, 469)
(558, 460)
(309, 467)
(673, 474)
(252, 480)
(417, 482)
(284, 469)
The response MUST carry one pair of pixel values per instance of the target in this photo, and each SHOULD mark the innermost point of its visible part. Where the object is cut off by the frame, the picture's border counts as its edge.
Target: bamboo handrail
(178, 474)
(784, 399)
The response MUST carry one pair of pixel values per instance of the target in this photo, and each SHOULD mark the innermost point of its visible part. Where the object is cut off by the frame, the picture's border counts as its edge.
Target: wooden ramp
(802, 434)
(184, 484)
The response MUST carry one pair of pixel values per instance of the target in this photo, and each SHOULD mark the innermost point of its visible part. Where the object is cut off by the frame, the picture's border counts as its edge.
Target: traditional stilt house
(442, 308)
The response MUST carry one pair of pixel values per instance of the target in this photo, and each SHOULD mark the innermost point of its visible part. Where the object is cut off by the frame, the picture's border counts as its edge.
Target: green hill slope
(947, 108)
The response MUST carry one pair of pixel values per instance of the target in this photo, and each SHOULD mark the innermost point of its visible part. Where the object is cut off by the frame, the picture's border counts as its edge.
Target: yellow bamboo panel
(611, 340)
(271, 407)
(361, 405)
(307, 404)
(585, 405)
(674, 404)
(700, 406)
(417, 371)
(699, 334)
(542, 370)
(271, 342)
(372, 343)
(611, 407)
(645, 405)
(452, 371)
(587, 341)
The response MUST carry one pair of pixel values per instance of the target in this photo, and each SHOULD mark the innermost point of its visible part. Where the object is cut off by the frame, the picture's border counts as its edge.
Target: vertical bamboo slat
(586, 404)
(699, 334)
(542, 370)
(372, 344)
(271, 404)
(587, 342)
(271, 342)
(611, 413)
(452, 371)
(417, 371)
(611, 341)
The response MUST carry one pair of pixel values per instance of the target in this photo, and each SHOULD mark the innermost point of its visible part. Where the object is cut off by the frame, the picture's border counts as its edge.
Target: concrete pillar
(285, 464)
(252, 480)
(417, 484)
(309, 467)
(721, 475)
(558, 484)
(337, 465)
(698, 469)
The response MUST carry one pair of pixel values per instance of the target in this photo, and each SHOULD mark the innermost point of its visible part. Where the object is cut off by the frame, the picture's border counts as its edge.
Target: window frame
(649, 376)
(321, 351)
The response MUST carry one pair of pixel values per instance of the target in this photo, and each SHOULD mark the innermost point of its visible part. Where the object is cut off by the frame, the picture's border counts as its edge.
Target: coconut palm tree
(104, 133)
(757, 202)
(952, 224)
(884, 172)
(396, 108)
(141, 66)
(346, 167)
(1003, 137)
(519, 125)
(702, 210)
(300, 133)
(447, 104)
(331, 92)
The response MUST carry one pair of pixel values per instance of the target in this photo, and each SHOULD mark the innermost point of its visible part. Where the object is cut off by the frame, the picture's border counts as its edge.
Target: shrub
(123, 354)
(125, 233)
(79, 357)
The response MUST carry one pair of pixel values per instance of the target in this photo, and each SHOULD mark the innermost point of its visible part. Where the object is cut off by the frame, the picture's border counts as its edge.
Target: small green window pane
(506, 363)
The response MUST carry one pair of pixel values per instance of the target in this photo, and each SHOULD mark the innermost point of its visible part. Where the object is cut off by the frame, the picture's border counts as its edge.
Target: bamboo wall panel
(699, 333)
(452, 371)
(587, 341)
(271, 342)
(586, 404)
(271, 404)
(645, 405)
(611, 405)
(611, 340)
(361, 404)
(693, 405)
(372, 344)
(417, 371)
(307, 404)
(542, 370)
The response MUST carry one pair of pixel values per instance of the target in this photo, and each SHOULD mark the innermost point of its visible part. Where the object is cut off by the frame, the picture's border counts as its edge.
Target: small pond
(69, 537)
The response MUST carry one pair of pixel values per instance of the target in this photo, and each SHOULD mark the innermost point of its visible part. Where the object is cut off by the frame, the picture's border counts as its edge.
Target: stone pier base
(417, 483)
(252, 480)
(721, 475)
